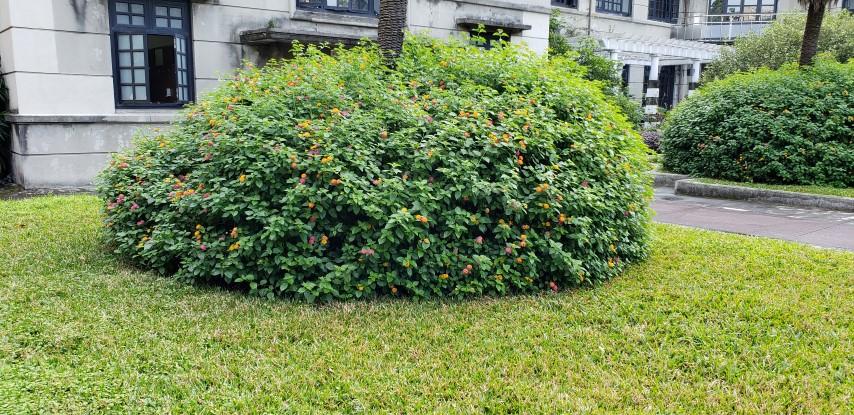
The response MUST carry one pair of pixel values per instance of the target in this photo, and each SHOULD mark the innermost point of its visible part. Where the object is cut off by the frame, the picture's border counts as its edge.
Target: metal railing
(719, 28)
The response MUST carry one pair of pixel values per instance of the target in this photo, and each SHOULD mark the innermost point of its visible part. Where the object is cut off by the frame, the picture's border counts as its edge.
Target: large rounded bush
(460, 171)
(789, 126)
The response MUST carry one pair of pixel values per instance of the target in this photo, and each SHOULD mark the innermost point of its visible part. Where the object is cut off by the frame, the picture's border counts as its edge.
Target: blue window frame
(664, 11)
(152, 59)
(623, 7)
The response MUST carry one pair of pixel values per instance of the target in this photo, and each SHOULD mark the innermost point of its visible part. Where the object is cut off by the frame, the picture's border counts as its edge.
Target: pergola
(655, 52)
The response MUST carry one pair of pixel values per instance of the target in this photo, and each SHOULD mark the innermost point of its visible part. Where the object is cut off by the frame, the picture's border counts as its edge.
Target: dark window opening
(488, 39)
(152, 65)
(625, 75)
(623, 7)
(666, 82)
(646, 70)
(848, 4)
(664, 10)
(348, 6)
(565, 3)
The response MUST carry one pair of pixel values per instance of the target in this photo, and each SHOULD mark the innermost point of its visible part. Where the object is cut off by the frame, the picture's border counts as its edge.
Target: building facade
(664, 44)
(85, 75)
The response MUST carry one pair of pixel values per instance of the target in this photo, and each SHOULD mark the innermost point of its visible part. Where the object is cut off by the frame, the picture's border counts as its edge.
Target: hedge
(330, 176)
(788, 126)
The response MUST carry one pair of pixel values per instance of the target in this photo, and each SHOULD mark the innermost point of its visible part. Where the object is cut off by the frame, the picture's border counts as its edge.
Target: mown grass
(818, 190)
(711, 323)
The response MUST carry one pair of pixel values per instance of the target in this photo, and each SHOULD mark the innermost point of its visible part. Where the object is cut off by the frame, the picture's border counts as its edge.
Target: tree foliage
(597, 68)
(780, 43)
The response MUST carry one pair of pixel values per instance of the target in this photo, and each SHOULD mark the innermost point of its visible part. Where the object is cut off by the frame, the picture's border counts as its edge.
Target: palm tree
(815, 15)
(391, 24)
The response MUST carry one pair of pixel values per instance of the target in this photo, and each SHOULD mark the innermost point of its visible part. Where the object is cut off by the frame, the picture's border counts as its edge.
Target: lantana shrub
(786, 126)
(461, 171)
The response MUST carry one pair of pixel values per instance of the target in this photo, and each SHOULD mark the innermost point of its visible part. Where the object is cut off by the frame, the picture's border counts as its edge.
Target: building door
(666, 81)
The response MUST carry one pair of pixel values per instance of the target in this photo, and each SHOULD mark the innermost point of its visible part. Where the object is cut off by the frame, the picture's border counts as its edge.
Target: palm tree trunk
(391, 24)
(815, 14)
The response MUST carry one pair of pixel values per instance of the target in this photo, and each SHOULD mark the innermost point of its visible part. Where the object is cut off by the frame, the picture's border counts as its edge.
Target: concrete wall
(605, 23)
(438, 18)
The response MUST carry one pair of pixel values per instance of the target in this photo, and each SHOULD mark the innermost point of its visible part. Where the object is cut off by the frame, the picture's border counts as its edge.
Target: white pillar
(695, 76)
(651, 100)
(614, 56)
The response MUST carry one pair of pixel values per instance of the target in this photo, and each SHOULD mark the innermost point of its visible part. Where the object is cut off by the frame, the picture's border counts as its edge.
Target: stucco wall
(438, 18)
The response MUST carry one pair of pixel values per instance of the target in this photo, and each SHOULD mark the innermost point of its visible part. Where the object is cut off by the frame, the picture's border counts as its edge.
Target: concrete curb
(689, 187)
(15, 192)
(667, 179)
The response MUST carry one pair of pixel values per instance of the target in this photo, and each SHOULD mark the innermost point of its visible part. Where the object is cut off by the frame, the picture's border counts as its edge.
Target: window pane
(137, 9)
(177, 24)
(160, 11)
(121, 7)
(122, 19)
(140, 92)
(124, 42)
(124, 59)
(138, 21)
(162, 22)
(139, 59)
(175, 12)
(183, 61)
(127, 93)
(139, 76)
(125, 76)
(138, 42)
(359, 4)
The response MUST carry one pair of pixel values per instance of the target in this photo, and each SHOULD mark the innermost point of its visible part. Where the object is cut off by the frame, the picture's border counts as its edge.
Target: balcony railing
(720, 28)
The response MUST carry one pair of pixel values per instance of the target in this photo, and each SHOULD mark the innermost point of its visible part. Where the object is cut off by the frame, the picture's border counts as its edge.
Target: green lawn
(818, 190)
(712, 323)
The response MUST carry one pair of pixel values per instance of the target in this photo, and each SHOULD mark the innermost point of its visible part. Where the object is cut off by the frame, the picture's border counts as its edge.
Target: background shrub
(787, 126)
(780, 43)
(461, 171)
(651, 139)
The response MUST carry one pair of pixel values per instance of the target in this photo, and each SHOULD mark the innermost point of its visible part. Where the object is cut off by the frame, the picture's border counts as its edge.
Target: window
(488, 38)
(565, 3)
(623, 7)
(664, 10)
(625, 75)
(742, 10)
(350, 6)
(152, 60)
(848, 4)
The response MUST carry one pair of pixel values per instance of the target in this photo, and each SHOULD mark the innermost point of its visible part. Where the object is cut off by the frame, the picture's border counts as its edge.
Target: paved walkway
(817, 227)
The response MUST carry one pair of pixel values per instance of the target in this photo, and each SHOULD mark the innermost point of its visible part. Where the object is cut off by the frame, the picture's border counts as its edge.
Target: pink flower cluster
(366, 251)
(119, 201)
